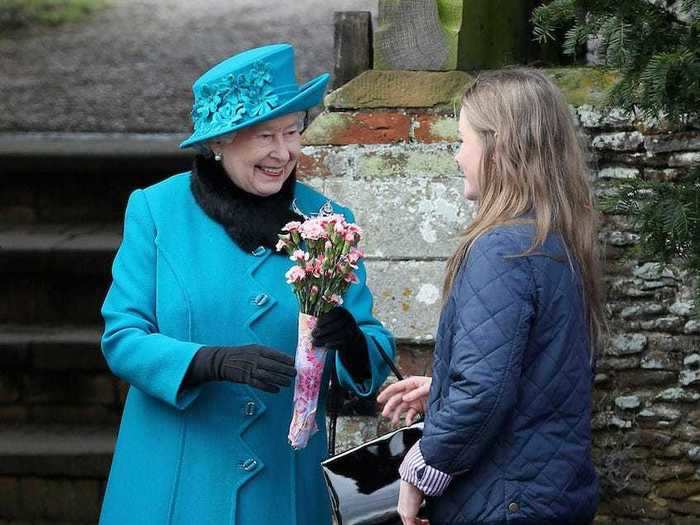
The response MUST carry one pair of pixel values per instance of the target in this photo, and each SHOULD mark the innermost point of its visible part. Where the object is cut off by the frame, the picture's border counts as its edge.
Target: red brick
(340, 129)
(425, 128)
(378, 128)
(415, 361)
(312, 165)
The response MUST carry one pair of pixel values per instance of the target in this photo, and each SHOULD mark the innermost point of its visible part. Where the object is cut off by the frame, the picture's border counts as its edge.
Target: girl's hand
(409, 396)
(410, 500)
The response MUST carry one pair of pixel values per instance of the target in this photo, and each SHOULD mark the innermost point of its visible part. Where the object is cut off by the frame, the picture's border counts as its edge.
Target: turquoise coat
(216, 454)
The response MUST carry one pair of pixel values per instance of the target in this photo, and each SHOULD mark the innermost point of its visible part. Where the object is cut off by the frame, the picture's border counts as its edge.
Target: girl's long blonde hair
(532, 162)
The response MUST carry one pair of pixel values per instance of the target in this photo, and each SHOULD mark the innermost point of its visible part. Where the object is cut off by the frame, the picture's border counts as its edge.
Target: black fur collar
(251, 221)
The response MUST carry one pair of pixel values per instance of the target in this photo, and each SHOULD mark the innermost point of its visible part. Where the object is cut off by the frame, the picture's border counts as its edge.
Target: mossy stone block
(584, 85)
(400, 89)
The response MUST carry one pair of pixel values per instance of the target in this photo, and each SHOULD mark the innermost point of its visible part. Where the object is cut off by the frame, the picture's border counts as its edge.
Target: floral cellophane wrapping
(309, 363)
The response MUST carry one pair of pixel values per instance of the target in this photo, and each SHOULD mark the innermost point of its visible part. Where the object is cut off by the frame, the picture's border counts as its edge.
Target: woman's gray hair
(204, 148)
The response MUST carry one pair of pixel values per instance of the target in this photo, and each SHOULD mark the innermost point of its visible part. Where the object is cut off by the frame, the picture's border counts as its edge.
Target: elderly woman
(200, 321)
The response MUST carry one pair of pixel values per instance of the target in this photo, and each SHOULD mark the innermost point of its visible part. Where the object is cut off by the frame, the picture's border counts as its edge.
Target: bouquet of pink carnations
(324, 250)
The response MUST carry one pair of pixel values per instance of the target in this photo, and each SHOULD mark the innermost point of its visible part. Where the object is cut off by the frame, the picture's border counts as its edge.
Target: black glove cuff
(339, 331)
(355, 358)
(205, 366)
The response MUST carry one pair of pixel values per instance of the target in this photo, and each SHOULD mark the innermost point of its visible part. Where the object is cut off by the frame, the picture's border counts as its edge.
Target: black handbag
(363, 482)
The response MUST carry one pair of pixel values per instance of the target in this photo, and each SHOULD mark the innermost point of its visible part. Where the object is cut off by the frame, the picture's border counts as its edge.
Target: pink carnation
(299, 255)
(328, 262)
(291, 226)
(354, 228)
(334, 299)
(295, 274)
(281, 245)
(355, 255)
(312, 230)
(317, 268)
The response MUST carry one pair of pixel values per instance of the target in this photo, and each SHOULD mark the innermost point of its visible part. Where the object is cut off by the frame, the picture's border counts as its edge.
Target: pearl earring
(218, 157)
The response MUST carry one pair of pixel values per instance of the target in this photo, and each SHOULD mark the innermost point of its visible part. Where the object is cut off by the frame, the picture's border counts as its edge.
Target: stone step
(52, 298)
(81, 451)
(58, 177)
(72, 196)
(55, 273)
(51, 348)
(53, 473)
(69, 248)
(56, 374)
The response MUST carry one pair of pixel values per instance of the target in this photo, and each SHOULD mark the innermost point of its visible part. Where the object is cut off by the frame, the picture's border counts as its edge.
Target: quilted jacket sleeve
(493, 307)
(132, 345)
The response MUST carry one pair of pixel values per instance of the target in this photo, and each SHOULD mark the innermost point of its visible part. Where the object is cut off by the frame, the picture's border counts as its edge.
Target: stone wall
(384, 147)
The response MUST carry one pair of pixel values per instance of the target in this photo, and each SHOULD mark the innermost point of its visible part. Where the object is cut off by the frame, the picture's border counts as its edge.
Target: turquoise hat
(248, 88)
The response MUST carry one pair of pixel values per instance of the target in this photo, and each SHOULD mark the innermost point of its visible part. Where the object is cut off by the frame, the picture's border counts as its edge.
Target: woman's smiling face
(260, 158)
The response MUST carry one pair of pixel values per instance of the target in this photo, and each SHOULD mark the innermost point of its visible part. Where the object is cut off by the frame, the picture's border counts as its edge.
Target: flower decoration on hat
(260, 74)
(229, 114)
(206, 105)
(262, 101)
(227, 102)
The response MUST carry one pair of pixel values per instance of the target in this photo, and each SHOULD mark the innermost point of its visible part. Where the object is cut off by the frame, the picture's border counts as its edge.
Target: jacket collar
(250, 220)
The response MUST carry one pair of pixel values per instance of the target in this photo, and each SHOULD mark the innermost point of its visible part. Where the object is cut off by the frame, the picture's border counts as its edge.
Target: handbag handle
(335, 402)
(390, 363)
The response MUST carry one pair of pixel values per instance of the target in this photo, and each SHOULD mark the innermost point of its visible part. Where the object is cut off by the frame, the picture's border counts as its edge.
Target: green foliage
(667, 216)
(655, 44)
(16, 14)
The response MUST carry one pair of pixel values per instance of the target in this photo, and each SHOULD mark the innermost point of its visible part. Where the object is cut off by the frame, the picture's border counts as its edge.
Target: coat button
(250, 408)
(513, 507)
(249, 465)
(261, 299)
(260, 250)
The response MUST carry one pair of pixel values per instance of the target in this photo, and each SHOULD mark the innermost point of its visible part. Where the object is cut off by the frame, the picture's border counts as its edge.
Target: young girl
(507, 435)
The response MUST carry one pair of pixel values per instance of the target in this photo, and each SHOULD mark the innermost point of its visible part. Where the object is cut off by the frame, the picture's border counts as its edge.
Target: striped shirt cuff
(414, 470)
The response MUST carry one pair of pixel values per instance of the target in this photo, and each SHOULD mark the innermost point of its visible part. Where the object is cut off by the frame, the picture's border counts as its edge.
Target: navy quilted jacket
(510, 404)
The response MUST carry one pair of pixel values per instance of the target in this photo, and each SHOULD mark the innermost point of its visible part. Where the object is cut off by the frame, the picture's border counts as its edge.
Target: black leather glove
(338, 330)
(258, 366)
